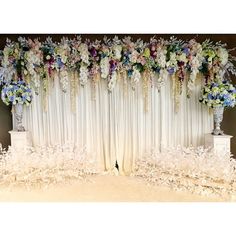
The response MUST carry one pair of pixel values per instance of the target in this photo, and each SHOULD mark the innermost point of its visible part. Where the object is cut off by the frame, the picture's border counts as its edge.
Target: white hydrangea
(104, 64)
(83, 75)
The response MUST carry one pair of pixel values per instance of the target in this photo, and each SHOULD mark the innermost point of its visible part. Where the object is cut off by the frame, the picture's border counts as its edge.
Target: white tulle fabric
(115, 125)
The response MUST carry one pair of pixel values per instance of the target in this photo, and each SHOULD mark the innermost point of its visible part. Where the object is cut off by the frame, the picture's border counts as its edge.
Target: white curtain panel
(115, 126)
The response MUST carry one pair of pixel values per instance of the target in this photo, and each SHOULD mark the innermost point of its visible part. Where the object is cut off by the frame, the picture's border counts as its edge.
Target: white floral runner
(44, 166)
(195, 170)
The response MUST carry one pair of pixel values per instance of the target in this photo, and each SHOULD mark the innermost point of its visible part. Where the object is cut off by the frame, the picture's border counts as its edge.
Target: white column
(220, 143)
(20, 140)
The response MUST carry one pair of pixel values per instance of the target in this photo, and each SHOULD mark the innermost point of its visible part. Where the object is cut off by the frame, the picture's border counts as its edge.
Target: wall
(228, 124)
(5, 124)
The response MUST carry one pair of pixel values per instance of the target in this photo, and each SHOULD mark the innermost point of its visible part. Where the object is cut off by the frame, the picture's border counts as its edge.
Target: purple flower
(171, 70)
(180, 63)
(113, 65)
(5, 90)
(21, 82)
(214, 85)
(12, 98)
(186, 51)
(93, 52)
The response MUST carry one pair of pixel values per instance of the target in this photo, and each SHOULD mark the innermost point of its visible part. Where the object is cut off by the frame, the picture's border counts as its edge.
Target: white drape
(115, 125)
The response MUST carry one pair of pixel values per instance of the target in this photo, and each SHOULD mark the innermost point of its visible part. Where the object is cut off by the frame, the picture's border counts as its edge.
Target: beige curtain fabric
(120, 125)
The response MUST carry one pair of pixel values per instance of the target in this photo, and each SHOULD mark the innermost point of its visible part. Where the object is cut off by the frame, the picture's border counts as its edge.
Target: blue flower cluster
(219, 94)
(16, 92)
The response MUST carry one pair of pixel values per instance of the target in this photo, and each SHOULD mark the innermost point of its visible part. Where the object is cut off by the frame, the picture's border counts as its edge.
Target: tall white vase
(218, 117)
(18, 116)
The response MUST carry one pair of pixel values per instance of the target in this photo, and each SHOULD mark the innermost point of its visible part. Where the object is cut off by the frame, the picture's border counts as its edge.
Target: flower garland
(36, 62)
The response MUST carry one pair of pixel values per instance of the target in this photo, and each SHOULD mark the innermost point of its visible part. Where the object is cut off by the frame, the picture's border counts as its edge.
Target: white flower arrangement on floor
(195, 170)
(44, 166)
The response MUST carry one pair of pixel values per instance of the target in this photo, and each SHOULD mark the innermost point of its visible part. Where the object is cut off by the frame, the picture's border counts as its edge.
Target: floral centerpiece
(218, 95)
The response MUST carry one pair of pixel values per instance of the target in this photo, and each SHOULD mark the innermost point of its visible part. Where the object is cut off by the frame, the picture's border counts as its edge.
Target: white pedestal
(219, 143)
(20, 140)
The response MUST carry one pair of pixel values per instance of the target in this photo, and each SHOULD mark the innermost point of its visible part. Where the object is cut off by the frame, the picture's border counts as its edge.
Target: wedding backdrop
(115, 126)
(119, 100)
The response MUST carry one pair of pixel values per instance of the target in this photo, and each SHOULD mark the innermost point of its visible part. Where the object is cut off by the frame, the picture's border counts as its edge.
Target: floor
(105, 188)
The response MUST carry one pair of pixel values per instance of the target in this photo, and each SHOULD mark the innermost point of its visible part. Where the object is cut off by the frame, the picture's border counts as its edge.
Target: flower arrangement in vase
(218, 95)
(17, 93)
